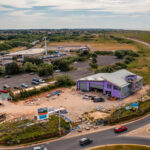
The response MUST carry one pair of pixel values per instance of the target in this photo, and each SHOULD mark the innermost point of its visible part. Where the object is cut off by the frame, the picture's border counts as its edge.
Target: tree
(45, 70)
(29, 67)
(1, 70)
(61, 64)
(105, 69)
(33, 60)
(94, 60)
(12, 68)
(64, 80)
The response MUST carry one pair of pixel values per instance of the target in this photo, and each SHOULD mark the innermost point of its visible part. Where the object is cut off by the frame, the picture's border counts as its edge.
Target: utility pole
(59, 123)
(45, 45)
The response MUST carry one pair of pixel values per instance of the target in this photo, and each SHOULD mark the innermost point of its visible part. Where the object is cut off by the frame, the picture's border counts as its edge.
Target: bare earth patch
(70, 99)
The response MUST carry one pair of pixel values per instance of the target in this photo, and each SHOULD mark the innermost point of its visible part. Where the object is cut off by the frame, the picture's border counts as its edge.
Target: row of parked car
(35, 81)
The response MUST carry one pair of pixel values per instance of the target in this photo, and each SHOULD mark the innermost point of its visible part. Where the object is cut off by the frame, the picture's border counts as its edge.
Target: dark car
(35, 79)
(100, 99)
(120, 129)
(35, 82)
(85, 141)
(16, 87)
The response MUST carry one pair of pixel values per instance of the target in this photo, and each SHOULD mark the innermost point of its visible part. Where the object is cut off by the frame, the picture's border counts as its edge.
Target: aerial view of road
(99, 138)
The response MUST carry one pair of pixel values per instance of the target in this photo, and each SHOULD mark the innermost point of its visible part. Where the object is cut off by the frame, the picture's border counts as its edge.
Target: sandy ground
(70, 99)
(140, 132)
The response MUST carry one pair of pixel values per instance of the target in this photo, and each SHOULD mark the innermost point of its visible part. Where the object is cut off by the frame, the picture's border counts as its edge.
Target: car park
(24, 85)
(120, 129)
(85, 141)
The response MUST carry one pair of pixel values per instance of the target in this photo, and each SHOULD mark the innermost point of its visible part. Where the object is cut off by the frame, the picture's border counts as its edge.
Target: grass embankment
(123, 115)
(123, 147)
(24, 131)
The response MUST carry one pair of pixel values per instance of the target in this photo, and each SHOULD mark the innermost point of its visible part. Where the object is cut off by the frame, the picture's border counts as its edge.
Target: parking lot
(17, 80)
(81, 70)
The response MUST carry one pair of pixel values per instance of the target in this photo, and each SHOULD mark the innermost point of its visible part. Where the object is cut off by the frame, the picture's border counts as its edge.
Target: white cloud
(116, 6)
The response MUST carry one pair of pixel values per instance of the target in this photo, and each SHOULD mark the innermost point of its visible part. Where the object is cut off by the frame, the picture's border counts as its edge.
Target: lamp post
(59, 127)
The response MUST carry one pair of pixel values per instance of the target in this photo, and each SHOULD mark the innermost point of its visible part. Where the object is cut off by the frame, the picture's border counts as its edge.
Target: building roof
(117, 78)
(95, 77)
(28, 52)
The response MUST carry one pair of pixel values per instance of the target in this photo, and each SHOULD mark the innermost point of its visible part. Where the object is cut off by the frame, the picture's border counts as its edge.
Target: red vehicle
(120, 129)
(3, 91)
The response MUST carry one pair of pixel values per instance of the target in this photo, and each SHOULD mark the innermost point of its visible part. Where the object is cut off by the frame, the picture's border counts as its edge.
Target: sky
(56, 14)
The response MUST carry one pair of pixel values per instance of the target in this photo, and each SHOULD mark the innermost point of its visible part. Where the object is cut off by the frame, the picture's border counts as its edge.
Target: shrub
(105, 69)
(64, 80)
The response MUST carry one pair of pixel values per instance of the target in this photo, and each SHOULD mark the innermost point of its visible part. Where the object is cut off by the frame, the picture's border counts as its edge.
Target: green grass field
(123, 147)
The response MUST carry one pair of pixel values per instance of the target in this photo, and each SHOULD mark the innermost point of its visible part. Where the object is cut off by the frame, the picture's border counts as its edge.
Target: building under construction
(119, 84)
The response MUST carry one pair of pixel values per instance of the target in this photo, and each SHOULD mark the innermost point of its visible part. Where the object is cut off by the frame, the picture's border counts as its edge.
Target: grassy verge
(123, 147)
(122, 114)
(24, 131)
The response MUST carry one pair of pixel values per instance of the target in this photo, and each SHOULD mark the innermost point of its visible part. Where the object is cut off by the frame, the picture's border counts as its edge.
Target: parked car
(5, 86)
(35, 79)
(41, 81)
(9, 98)
(24, 85)
(35, 83)
(100, 99)
(85, 141)
(16, 87)
(57, 71)
(7, 76)
(32, 73)
(120, 129)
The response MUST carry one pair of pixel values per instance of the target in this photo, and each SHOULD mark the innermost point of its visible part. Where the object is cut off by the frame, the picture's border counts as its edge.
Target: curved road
(99, 138)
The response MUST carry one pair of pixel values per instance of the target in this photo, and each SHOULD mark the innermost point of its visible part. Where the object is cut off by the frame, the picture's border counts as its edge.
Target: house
(119, 84)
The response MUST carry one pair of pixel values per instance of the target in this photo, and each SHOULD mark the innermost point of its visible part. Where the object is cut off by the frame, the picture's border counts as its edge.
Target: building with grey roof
(119, 84)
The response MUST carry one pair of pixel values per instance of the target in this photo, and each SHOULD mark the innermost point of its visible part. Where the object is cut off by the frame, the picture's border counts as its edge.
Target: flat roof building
(119, 84)
(28, 53)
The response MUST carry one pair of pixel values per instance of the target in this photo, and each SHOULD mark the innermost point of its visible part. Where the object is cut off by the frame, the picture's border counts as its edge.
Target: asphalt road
(100, 138)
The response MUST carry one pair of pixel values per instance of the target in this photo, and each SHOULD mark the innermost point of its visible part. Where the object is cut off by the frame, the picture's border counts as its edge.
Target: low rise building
(119, 84)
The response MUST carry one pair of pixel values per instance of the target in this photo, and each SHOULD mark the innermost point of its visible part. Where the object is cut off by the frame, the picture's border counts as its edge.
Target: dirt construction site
(75, 102)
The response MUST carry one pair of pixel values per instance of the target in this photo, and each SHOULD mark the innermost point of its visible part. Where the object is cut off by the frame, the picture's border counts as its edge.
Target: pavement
(99, 138)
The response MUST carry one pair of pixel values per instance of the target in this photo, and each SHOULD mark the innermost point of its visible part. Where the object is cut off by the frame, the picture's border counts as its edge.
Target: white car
(57, 71)
(41, 81)
(40, 148)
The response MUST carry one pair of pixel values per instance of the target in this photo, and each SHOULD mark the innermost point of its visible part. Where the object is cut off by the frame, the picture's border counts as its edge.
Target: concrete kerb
(67, 136)
(116, 145)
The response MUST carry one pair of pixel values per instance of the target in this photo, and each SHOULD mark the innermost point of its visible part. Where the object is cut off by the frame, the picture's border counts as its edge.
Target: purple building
(119, 84)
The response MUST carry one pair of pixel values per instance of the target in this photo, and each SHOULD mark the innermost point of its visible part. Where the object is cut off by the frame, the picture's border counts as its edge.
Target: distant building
(119, 84)
(28, 53)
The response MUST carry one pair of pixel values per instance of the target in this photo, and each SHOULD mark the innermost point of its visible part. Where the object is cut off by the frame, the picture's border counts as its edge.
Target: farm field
(97, 46)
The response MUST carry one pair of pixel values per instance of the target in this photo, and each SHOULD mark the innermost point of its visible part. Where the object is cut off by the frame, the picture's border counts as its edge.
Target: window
(116, 88)
(109, 86)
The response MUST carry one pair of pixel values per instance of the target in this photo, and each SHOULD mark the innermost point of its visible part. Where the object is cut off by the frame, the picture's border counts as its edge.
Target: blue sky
(119, 14)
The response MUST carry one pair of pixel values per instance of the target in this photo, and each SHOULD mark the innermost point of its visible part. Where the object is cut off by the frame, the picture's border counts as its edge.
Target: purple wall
(114, 92)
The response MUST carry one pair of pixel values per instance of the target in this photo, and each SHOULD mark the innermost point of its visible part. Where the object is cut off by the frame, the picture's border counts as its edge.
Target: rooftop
(28, 52)
(117, 78)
